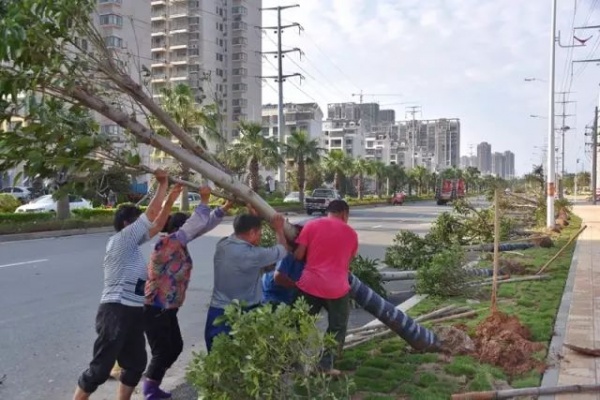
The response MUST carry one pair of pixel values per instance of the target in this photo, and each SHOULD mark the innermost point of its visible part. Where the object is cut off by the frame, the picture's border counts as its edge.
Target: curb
(53, 234)
(550, 377)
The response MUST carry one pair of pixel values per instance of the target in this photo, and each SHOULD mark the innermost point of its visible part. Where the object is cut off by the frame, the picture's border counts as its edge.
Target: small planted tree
(269, 355)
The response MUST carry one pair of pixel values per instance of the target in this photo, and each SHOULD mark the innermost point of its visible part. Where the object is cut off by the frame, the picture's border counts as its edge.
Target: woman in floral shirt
(169, 274)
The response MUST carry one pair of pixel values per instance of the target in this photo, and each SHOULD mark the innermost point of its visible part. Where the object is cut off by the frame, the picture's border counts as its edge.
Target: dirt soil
(512, 267)
(544, 242)
(501, 340)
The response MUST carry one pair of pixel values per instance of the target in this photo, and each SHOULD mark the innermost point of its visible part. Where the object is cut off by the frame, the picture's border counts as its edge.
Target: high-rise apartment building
(214, 47)
(306, 117)
(498, 165)
(484, 157)
(509, 164)
(433, 144)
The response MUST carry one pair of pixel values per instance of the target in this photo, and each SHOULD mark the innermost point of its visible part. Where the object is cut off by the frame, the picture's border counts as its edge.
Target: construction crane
(361, 94)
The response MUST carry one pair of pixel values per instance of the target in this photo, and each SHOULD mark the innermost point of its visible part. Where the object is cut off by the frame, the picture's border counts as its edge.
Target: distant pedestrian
(238, 265)
(328, 246)
(119, 321)
(169, 273)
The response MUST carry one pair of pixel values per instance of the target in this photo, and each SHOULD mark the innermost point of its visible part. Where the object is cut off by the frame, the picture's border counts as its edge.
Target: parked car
(320, 199)
(21, 193)
(398, 198)
(47, 204)
(193, 198)
(293, 197)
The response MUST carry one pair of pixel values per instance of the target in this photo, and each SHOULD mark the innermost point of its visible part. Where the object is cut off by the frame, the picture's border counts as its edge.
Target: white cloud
(458, 58)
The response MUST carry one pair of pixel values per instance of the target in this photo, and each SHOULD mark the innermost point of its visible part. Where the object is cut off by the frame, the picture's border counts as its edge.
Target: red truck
(448, 190)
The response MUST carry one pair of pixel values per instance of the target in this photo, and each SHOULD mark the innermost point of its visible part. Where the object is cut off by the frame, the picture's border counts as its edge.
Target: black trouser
(120, 332)
(338, 311)
(164, 337)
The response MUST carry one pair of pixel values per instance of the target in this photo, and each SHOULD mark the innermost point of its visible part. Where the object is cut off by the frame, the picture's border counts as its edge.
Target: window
(111, 129)
(219, 57)
(239, 57)
(244, 103)
(239, 87)
(240, 72)
(219, 72)
(113, 41)
(239, 41)
(111, 19)
(239, 10)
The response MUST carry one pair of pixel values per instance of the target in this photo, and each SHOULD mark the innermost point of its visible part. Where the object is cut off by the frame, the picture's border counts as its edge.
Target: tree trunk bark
(62, 208)
(253, 168)
(185, 198)
(336, 181)
(301, 179)
(359, 184)
(185, 157)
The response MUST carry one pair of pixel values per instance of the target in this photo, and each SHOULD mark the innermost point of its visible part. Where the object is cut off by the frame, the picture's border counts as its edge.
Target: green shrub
(409, 251)
(269, 355)
(19, 218)
(365, 269)
(8, 203)
(444, 275)
(85, 213)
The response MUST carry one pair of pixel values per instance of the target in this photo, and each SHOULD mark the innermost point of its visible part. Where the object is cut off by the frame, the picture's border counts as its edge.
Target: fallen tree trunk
(537, 391)
(417, 336)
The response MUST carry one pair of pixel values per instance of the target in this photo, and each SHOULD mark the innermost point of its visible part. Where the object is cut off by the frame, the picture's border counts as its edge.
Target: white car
(19, 192)
(48, 204)
(293, 197)
(193, 198)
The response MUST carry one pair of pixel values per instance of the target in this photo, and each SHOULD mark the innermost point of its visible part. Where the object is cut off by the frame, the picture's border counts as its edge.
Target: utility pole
(412, 133)
(280, 78)
(550, 221)
(595, 156)
(563, 129)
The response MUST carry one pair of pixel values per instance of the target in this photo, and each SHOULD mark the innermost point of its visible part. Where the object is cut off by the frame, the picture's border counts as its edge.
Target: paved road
(50, 290)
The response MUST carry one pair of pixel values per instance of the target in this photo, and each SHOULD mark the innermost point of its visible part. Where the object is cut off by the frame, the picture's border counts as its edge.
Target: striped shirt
(125, 270)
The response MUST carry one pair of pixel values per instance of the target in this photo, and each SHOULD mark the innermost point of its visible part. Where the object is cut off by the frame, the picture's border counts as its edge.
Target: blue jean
(211, 331)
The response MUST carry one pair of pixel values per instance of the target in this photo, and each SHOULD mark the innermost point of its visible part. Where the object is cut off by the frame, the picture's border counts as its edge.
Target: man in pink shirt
(328, 246)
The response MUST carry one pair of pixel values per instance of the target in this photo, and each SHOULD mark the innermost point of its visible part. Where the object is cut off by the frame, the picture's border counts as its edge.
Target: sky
(464, 59)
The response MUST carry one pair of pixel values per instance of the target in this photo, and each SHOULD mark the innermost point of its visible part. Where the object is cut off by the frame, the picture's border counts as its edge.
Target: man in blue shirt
(279, 286)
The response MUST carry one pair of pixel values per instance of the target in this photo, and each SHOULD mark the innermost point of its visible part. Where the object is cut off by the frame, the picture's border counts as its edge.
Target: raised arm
(163, 216)
(155, 205)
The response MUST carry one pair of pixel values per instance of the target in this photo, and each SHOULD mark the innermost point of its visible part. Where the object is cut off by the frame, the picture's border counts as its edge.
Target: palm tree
(380, 172)
(362, 167)
(397, 177)
(257, 150)
(338, 164)
(472, 175)
(420, 175)
(304, 151)
(199, 122)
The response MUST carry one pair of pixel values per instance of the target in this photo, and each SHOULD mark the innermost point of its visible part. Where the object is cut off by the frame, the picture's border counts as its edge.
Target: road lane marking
(376, 226)
(23, 263)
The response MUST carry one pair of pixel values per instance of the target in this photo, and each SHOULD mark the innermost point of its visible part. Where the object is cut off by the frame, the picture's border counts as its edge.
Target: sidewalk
(578, 320)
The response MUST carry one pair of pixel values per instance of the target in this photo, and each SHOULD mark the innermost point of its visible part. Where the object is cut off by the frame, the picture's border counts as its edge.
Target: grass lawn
(389, 369)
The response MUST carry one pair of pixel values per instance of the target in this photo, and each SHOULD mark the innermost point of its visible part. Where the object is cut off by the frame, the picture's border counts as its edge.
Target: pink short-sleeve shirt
(330, 246)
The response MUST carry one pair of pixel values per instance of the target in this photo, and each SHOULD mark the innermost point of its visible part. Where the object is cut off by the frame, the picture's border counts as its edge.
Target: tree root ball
(562, 222)
(544, 242)
(454, 341)
(501, 340)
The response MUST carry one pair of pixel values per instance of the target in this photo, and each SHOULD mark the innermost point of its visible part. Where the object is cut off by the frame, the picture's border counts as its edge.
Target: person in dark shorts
(120, 318)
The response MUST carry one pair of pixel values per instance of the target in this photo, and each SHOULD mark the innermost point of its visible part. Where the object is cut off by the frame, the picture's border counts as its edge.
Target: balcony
(158, 3)
(179, 12)
(179, 60)
(158, 46)
(239, 26)
(158, 63)
(158, 15)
